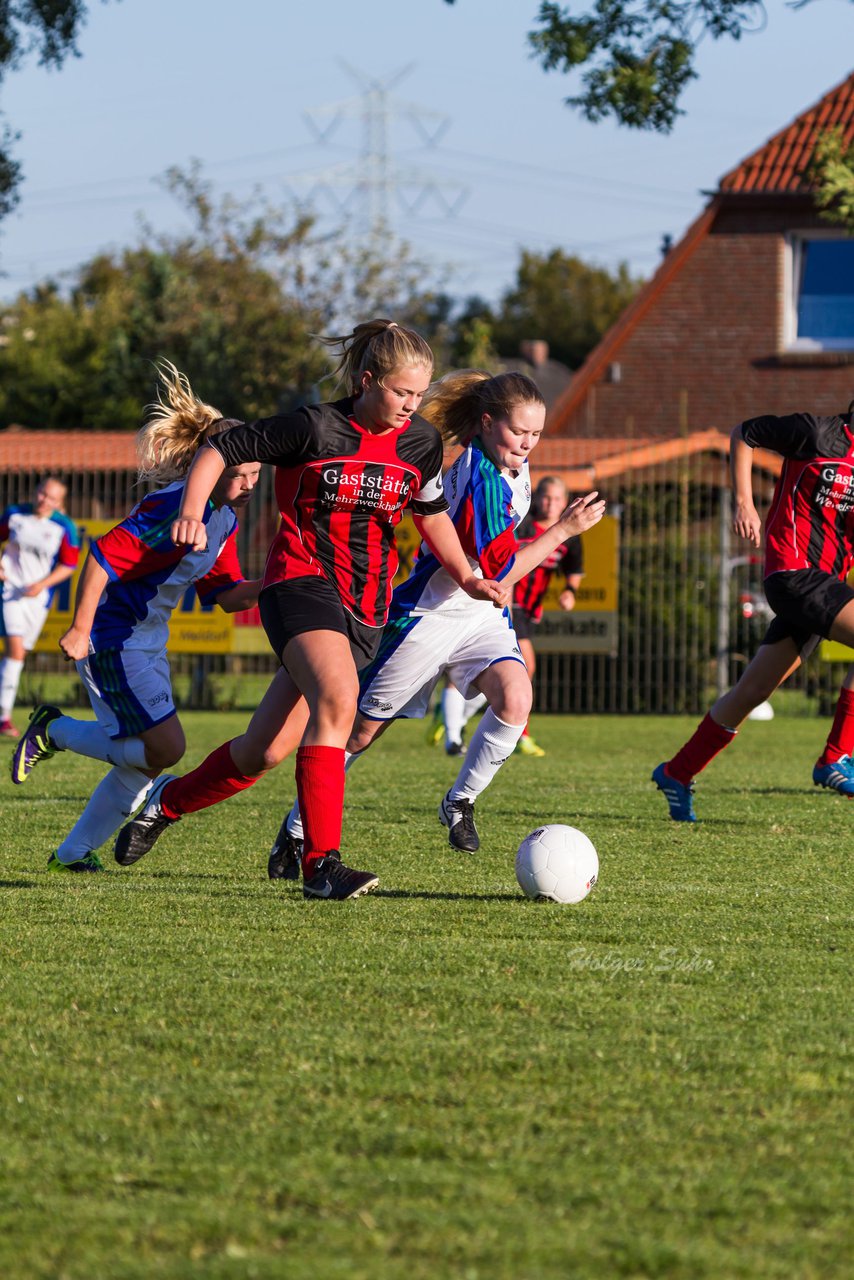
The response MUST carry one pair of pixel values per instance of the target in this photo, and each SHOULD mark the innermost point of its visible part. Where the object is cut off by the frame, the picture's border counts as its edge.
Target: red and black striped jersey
(341, 490)
(529, 593)
(810, 523)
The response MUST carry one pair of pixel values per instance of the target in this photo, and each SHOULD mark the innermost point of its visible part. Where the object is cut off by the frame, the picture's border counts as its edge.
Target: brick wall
(708, 350)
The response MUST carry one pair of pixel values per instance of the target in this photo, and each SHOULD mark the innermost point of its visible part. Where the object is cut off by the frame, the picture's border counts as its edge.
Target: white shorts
(25, 616)
(130, 690)
(417, 650)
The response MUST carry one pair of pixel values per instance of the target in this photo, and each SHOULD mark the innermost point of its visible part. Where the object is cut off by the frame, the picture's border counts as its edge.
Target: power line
(369, 184)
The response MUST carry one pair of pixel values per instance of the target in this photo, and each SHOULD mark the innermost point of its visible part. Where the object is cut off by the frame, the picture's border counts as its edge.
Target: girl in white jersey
(434, 627)
(133, 579)
(41, 551)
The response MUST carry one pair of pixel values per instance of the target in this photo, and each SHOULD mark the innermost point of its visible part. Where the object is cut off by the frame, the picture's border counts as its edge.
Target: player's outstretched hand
(746, 523)
(190, 533)
(74, 644)
(582, 513)
(487, 589)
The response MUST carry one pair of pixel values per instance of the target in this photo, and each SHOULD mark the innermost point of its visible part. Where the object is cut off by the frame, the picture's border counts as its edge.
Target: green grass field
(204, 1075)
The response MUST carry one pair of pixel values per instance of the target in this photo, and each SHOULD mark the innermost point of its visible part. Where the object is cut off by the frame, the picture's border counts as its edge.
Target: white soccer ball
(557, 863)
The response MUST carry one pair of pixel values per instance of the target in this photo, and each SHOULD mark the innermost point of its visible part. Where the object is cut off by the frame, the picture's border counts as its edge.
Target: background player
(549, 500)
(133, 579)
(42, 549)
(808, 555)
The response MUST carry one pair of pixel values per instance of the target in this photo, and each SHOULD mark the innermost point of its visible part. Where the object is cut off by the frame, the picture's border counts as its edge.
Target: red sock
(215, 779)
(320, 787)
(525, 732)
(840, 740)
(708, 739)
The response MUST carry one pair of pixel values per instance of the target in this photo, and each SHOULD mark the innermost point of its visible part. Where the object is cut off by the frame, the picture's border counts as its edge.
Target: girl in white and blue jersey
(434, 628)
(41, 550)
(134, 578)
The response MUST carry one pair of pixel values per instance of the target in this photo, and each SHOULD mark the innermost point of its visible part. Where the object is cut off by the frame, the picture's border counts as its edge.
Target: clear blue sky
(161, 82)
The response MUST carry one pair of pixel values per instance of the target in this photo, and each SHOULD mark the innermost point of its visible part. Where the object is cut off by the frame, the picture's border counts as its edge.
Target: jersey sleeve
(430, 499)
(69, 549)
(572, 559)
(283, 440)
(492, 537)
(796, 435)
(4, 523)
(142, 543)
(225, 572)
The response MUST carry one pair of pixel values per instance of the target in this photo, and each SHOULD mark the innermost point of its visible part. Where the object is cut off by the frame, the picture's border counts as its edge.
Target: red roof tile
(64, 451)
(622, 458)
(779, 164)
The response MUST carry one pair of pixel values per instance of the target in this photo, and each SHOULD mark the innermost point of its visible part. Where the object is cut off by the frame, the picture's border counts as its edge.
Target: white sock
(112, 802)
(492, 742)
(472, 706)
(453, 714)
(87, 738)
(10, 678)
(293, 822)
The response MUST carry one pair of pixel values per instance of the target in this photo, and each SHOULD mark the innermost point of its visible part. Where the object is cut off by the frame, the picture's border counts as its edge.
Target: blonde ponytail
(177, 426)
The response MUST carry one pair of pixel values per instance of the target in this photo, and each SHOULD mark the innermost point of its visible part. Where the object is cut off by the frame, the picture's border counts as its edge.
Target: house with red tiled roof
(751, 312)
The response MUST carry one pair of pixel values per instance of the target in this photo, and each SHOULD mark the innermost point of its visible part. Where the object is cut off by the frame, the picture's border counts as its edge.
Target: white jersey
(35, 545)
(487, 508)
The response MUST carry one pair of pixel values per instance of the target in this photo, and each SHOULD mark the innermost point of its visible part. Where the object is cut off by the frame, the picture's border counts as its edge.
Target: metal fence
(691, 608)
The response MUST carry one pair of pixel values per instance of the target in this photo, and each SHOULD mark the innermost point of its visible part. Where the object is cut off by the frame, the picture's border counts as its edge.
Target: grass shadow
(447, 897)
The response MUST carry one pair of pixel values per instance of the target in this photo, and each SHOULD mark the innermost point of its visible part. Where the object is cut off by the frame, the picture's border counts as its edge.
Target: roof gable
(779, 165)
(792, 147)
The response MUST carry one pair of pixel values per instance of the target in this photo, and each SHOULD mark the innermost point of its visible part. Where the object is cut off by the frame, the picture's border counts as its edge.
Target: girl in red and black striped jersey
(809, 552)
(345, 471)
(548, 501)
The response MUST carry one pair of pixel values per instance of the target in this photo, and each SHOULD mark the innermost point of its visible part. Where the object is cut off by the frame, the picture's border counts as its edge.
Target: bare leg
(770, 666)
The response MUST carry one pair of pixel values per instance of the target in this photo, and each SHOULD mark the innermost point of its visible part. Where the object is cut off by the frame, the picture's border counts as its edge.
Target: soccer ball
(557, 863)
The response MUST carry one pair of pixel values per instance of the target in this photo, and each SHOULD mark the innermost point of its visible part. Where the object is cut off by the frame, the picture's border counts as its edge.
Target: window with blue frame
(824, 293)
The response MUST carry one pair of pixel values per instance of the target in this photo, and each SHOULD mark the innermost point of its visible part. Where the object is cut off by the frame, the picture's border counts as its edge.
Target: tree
(831, 169)
(566, 301)
(234, 304)
(49, 28)
(638, 54)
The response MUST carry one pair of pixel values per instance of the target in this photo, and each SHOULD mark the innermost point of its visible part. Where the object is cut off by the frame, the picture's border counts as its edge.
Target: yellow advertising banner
(192, 629)
(833, 651)
(598, 590)
(593, 625)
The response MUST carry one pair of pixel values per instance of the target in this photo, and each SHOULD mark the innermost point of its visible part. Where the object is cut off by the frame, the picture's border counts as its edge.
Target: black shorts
(290, 609)
(524, 624)
(806, 602)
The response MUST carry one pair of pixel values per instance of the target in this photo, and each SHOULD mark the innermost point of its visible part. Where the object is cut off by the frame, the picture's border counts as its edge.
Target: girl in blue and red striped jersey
(345, 471)
(550, 498)
(809, 553)
(433, 627)
(133, 579)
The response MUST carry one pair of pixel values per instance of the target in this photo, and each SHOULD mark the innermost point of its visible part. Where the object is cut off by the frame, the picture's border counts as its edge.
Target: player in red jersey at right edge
(808, 555)
(345, 471)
